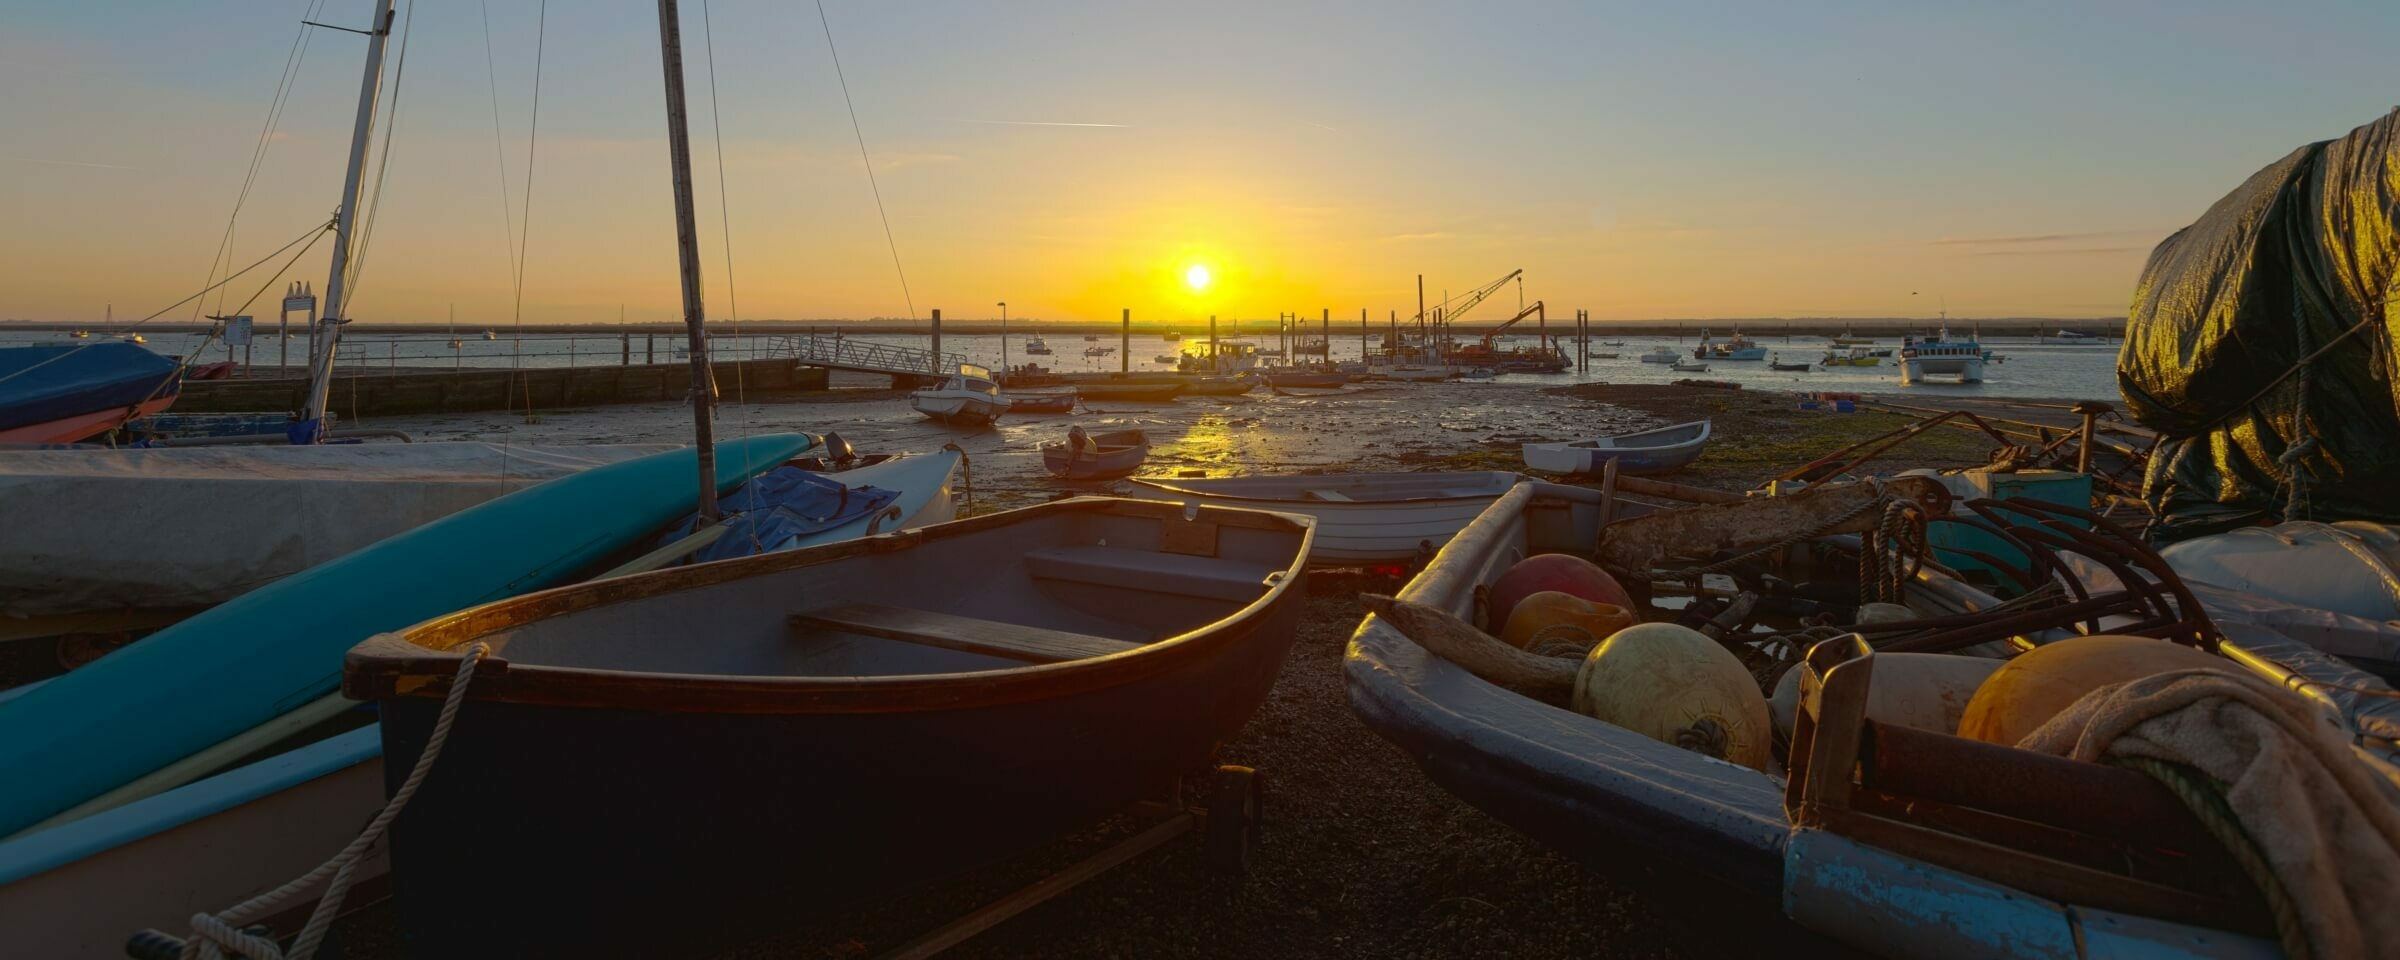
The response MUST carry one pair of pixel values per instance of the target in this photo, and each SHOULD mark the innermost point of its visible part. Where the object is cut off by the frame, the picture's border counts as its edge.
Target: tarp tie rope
(220, 935)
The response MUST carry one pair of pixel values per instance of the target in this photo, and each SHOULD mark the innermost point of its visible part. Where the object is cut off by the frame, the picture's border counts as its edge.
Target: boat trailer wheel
(1231, 830)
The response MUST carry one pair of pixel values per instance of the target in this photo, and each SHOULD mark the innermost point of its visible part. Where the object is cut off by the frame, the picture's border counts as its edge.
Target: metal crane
(1467, 301)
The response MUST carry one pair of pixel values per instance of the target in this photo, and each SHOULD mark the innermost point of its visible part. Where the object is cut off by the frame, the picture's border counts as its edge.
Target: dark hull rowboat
(1308, 381)
(1121, 453)
(668, 762)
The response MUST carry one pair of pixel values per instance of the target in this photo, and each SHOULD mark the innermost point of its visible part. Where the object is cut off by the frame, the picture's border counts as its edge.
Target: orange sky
(1075, 159)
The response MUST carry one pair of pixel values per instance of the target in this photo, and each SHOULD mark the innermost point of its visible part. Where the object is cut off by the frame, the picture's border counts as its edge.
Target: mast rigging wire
(866, 161)
(258, 151)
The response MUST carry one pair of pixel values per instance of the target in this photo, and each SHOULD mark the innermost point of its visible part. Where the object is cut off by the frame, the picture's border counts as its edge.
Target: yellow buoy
(1551, 616)
(1675, 685)
(2030, 689)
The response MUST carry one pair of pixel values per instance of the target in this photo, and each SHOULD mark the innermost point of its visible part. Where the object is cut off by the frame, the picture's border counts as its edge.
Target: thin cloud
(2076, 251)
(70, 163)
(1410, 237)
(1036, 123)
(2039, 238)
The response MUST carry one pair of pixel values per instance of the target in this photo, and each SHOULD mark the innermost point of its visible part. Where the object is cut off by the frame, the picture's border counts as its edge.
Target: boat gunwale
(420, 661)
(1707, 430)
(1168, 486)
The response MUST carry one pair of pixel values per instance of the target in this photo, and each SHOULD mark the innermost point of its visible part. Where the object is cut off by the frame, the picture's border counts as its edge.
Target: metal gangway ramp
(863, 356)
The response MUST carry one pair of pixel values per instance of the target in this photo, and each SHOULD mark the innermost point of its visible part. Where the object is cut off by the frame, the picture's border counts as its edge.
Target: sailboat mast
(311, 427)
(687, 248)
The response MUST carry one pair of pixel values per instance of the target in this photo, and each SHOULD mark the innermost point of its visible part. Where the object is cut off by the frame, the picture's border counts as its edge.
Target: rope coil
(220, 936)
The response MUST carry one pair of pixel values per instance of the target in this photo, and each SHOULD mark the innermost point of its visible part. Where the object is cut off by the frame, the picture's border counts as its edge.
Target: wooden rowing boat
(717, 748)
(1362, 518)
(1043, 403)
(1118, 453)
(1640, 453)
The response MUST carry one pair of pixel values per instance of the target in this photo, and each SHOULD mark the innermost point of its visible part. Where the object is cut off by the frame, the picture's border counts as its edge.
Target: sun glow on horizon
(1197, 277)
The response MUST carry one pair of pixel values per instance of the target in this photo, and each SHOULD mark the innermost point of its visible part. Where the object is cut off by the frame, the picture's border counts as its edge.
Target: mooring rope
(220, 935)
(2205, 798)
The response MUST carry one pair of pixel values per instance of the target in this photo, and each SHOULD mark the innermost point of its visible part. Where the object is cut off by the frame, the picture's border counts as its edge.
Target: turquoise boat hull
(268, 651)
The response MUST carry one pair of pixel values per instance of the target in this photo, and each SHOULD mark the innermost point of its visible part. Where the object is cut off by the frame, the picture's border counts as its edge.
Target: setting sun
(1196, 277)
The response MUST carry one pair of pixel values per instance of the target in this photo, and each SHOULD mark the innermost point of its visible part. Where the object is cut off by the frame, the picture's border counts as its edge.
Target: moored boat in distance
(1307, 381)
(1037, 346)
(1940, 356)
(1856, 357)
(2070, 338)
(1661, 354)
(981, 652)
(1043, 403)
(1640, 453)
(1100, 456)
(1689, 366)
(969, 398)
(1775, 362)
(1362, 518)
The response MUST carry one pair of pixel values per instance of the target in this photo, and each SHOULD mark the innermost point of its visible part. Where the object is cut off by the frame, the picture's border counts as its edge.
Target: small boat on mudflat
(1219, 386)
(1776, 363)
(1307, 381)
(1129, 392)
(1690, 366)
(1113, 454)
(719, 724)
(1645, 452)
(1043, 403)
(969, 398)
(1362, 518)
(68, 392)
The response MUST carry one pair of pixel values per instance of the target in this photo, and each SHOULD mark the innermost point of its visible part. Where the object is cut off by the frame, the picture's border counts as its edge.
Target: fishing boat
(1661, 354)
(1219, 386)
(2070, 338)
(63, 393)
(1074, 658)
(1363, 519)
(1108, 455)
(1690, 366)
(1098, 351)
(1043, 403)
(1776, 363)
(1133, 392)
(1739, 348)
(1641, 453)
(1036, 346)
(969, 398)
(1940, 356)
(1307, 381)
(1851, 339)
(1769, 854)
(1857, 357)
(1171, 336)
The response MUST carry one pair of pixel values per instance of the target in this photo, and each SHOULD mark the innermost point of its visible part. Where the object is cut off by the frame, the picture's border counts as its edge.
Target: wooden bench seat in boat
(1175, 573)
(988, 637)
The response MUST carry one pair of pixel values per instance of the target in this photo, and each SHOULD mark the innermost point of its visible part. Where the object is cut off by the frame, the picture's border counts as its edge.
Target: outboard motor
(839, 451)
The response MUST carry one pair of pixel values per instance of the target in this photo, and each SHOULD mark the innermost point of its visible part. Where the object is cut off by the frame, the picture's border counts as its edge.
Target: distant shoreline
(2113, 327)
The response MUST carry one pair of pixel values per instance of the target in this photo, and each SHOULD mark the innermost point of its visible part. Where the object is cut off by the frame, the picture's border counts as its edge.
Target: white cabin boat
(1941, 356)
(968, 398)
(1661, 355)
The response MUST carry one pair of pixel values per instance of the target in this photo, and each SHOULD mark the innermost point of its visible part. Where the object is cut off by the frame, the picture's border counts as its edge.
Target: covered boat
(1630, 806)
(254, 658)
(717, 748)
(1641, 453)
(194, 527)
(1129, 392)
(62, 393)
(969, 398)
(1362, 518)
(1112, 454)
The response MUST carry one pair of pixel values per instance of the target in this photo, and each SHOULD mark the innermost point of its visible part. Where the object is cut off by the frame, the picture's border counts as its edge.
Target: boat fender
(1675, 685)
(1552, 619)
(2033, 687)
(1564, 573)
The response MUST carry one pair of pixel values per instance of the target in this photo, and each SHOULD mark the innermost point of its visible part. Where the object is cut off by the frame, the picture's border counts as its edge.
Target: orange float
(1551, 615)
(1564, 573)
(2035, 686)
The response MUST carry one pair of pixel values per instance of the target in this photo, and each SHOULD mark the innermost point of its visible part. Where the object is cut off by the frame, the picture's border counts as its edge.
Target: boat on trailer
(1641, 453)
(1761, 847)
(1362, 518)
(768, 737)
(1113, 454)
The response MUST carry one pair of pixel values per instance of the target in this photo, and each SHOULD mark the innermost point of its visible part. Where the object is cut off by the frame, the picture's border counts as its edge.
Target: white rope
(219, 936)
